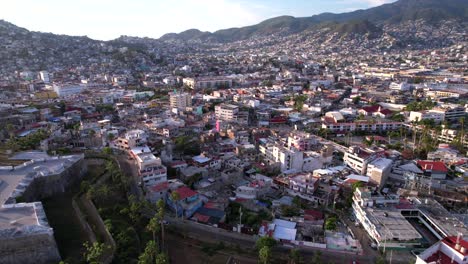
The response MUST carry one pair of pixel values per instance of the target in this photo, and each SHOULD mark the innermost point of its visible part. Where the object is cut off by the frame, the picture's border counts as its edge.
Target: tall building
(44, 75)
(208, 82)
(231, 113)
(370, 163)
(180, 101)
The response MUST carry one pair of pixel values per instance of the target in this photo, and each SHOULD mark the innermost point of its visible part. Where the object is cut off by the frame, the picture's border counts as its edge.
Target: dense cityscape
(336, 138)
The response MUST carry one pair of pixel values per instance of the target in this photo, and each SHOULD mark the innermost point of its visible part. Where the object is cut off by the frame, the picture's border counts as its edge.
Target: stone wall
(43, 187)
(33, 248)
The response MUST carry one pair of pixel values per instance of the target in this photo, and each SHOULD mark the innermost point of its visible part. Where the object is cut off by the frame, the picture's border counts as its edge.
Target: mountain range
(405, 24)
(362, 21)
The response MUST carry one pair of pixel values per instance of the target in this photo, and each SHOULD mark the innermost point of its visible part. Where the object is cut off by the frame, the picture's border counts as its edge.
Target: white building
(399, 86)
(437, 116)
(64, 90)
(451, 249)
(358, 158)
(44, 75)
(386, 226)
(150, 168)
(378, 171)
(180, 101)
(231, 113)
(208, 82)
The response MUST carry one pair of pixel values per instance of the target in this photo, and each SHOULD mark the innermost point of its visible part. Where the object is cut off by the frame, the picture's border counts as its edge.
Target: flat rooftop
(23, 219)
(15, 179)
(391, 224)
(381, 163)
(14, 217)
(447, 222)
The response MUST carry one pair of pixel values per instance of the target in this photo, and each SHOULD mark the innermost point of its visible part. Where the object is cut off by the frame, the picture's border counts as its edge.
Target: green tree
(264, 255)
(149, 255)
(265, 242)
(356, 100)
(289, 211)
(161, 212)
(162, 258)
(94, 252)
(107, 151)
(175, 197)
(330, 224)
(153, 226)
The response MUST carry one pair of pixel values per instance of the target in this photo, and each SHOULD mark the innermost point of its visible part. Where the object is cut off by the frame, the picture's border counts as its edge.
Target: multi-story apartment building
(231, 113)
(180, 101)
(150, 169)
(44, 75)
(386, 226)
(288, 159)
(399, 86)
(378, 171)
(362, 126)
(208, 82)
(301, 140)
(131, 139)
(64, 90)
(386, 218)
(437, 116)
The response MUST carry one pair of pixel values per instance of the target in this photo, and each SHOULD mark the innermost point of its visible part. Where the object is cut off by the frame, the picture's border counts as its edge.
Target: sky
(109, 19)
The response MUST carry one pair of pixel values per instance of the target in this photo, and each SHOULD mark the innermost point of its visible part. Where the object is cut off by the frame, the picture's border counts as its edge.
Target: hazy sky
(108, 19)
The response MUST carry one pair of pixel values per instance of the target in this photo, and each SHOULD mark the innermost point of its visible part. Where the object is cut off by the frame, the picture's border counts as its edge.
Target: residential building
(301, 140)
(434, 169)
(150, 169)
(188, 203)
(231, 113)
(180, 101)
(208, 82)
(44, 75)
(386, 226)
(358, 158)
(450, 250)
(437, 116)
(379, 126)
(65, 90)
(403, 86)
(378, 171)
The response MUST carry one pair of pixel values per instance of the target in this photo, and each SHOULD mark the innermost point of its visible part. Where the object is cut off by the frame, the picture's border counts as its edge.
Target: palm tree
(150, 253)
(264, 255)
(160, 214)
(175, 197)
(154, 226)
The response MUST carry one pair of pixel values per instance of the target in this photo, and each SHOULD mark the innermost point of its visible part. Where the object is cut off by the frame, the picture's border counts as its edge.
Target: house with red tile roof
(189, 202)
(435, 169)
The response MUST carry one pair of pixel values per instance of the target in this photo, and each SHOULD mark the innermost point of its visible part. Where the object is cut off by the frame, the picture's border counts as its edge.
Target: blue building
(189, 202)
